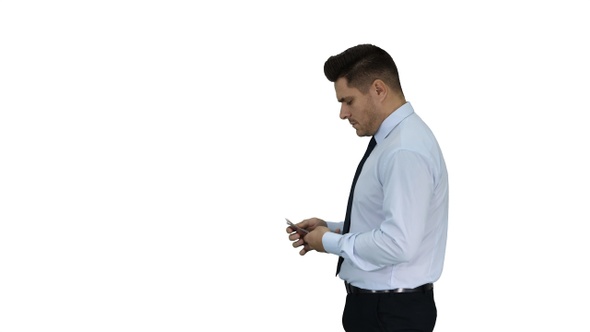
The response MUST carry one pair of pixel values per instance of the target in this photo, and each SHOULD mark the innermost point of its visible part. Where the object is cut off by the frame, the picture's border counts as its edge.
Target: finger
(337, 230)
(298, 243)
(294, 237)
(305, 250)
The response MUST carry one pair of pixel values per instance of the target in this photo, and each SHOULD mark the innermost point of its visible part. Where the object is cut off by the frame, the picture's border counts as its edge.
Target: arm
(408, 185)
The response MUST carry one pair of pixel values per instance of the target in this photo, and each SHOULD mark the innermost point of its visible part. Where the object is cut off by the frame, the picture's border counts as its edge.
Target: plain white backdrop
(150, 151)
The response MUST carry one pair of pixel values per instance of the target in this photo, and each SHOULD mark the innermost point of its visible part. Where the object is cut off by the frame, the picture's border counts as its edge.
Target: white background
(150, 151)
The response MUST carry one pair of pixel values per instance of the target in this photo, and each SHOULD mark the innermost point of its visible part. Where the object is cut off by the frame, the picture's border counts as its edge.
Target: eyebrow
(343, 99)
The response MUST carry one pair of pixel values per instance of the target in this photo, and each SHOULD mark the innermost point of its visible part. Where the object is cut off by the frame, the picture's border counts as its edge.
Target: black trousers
(389, 312)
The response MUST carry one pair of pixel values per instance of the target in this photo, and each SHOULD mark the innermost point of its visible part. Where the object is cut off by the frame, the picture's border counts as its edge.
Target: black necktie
(346, 227)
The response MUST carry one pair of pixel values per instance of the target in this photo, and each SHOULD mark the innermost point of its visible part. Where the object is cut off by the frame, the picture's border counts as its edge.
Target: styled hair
(361, 65)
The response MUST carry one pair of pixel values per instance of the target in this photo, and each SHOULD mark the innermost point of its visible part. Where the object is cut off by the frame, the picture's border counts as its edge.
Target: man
(393, 238)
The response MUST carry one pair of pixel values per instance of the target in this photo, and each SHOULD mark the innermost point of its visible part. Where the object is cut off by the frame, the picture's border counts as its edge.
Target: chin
(360, 132)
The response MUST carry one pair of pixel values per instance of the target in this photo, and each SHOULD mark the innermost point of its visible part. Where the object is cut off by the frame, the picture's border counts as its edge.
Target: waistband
(350, 289)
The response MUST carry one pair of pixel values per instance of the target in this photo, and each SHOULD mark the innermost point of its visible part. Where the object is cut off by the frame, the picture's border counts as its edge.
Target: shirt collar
(392, 121)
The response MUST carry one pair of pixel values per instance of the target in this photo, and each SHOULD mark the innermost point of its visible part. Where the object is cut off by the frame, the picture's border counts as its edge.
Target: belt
(350, 289)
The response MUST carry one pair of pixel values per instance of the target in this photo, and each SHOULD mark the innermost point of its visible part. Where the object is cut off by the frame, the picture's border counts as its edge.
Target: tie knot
(370, 147)
(372, 143)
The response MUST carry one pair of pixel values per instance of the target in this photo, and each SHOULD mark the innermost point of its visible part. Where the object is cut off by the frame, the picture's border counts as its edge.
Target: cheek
(357, 110)
(361, 113)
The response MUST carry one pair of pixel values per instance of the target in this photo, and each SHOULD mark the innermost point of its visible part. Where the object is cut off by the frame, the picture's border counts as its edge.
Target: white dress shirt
(399, 217)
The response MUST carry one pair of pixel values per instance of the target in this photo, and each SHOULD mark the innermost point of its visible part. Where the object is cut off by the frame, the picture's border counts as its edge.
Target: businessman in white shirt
(391, 245)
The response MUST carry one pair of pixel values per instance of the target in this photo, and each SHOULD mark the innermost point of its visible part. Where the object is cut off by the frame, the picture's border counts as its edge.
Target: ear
(379, 90)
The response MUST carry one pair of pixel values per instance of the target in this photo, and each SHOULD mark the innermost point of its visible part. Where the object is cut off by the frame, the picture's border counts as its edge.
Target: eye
(349, 102)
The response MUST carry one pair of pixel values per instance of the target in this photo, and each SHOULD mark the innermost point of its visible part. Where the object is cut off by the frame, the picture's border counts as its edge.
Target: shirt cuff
(331, 242)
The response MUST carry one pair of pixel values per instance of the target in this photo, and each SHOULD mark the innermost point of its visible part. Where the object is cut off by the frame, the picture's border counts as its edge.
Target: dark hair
(361, 65)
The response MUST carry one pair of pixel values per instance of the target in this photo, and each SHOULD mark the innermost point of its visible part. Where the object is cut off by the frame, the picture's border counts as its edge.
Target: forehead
(343, 90)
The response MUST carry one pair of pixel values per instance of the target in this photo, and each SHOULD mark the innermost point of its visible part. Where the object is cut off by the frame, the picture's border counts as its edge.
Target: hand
(311, 225)
(313, 240)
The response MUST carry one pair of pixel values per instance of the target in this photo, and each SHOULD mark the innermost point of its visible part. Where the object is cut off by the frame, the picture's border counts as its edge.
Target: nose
(344, 113)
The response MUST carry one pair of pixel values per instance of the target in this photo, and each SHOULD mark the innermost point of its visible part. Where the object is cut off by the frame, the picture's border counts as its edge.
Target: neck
(393, 104)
